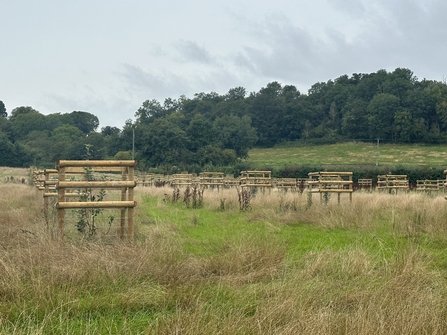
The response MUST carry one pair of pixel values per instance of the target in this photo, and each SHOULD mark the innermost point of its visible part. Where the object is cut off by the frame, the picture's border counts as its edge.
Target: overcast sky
(108, 56)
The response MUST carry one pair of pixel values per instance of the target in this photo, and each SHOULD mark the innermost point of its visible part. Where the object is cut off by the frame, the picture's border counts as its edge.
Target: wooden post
(61, 199)
(130, 209)
(123, 210)
(45, 199)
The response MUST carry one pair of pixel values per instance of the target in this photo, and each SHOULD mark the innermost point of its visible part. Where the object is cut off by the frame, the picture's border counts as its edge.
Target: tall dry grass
(247, 286)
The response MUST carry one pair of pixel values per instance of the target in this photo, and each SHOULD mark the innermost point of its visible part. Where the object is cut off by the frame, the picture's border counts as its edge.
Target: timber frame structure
(39, 179)
(330, 182)
(211, 180)
(428, 186)
(365, 184)
(393, 183)
(125, 185)
(182, 180)
(285, 184)
(262, 179)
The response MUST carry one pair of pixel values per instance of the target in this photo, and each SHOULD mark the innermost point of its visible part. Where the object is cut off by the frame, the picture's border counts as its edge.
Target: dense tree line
(211, 130)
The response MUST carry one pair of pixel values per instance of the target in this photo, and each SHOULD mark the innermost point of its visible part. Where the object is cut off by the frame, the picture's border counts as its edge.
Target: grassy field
(289, 265)
(16, 175)
(349, 154)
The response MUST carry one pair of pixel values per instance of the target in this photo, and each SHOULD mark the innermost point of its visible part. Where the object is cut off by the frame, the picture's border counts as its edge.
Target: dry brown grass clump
(329, 297)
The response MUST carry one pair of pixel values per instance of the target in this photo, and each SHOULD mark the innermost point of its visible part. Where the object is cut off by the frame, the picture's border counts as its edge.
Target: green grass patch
(348, 154)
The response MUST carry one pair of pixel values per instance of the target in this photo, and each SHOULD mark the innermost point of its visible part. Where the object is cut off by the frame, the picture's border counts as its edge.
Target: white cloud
(190, 51)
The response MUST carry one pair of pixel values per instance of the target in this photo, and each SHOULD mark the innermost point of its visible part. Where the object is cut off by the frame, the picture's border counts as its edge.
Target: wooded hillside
(215, 130)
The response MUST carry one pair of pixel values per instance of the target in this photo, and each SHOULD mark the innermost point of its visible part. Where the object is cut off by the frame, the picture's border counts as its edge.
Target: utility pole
(133, 143)
(377, 153)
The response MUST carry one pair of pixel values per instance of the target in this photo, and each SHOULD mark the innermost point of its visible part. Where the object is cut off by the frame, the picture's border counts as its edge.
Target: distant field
(349, 154)
(8, 174)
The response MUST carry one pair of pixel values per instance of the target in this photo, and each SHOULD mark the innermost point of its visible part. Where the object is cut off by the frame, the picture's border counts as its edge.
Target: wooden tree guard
(365, 184)
(126, 185)
(230, 181)
(39, 179)
(286, 184)
(330, 182)
(262, 179)
(211, 179)
(181, 180)
(392, 182)
(145, 179)
(49, 184)
(428, 186)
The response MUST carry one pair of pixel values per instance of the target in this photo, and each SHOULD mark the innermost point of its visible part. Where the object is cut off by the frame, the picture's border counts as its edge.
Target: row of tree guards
(317, 181)
(74, 183)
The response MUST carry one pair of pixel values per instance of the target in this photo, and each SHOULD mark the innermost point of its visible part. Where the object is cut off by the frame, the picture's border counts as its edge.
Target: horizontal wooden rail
(255, 185)
(55, 195)
(75, 170)
(328, 190)
(69, 163)
(316, 182)
(95, 184)
(99, 204)
(323, 173)
(50, 171)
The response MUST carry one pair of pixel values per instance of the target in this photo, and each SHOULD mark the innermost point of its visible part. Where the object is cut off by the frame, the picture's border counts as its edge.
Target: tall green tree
(267, 110)
(355, 124)
(55, 120)
(297, 112)
(97, 145)
(370, 84)
(200, 132)
(129, 131)
(84, 121)
(112, 140)
(235, 133)
(23, 123)
(5, 126)
(163, 142)
(20, 111)
(403, 126)
(40, 146)
(3, 112)
(67, 143)
(399, 83)
(211, 155)
(8, 154)
(381, 112)
(149, 111)
(236, 93)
